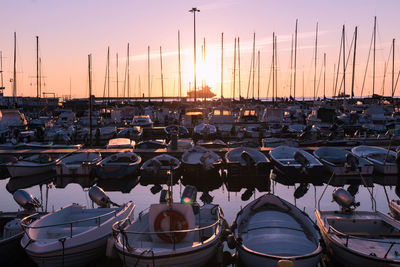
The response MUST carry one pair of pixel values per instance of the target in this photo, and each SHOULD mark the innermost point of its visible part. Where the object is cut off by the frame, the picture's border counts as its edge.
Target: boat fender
(301, 159)
(110, 250)
(351, 162)
(220, 254)
(228, 258)
(231, 241)
(177, 223)
(285, 263)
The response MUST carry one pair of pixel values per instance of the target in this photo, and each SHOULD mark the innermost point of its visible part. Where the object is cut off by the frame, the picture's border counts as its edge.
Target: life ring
(177, 222)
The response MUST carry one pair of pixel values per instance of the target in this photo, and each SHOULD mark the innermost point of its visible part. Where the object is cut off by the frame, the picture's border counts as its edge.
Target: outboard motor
(248, 159)
(206, 198)
(301, 159)
(301, 190)
(26, 200)
(351, 162)
(98, 196)
(189, 195)
(344, 199)
(353, 189)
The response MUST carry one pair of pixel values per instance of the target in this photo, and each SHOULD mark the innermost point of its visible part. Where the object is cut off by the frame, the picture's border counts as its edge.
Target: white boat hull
(195, 258)
(263, 261)
(20, 171)
(76, 256)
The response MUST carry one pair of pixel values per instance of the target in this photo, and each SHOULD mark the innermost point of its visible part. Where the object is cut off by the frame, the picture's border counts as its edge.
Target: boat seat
(57, 232)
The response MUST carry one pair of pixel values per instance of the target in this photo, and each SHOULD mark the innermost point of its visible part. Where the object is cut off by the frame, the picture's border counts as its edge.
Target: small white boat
(247, 166)
(143, 121)
(200, 165)
(359, 238)
(295, 163)
(160, 170)
(170, 234)
(134, 133)
(270, 229)
(118, 166)
(384, 160)
(205, 130)
(104, 133)
(117, 143)
(32, 165)
(73, 235)
(79, 164)
(343, 162)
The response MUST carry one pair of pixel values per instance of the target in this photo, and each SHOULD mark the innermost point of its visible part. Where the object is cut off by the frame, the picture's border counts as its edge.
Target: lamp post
(194, 10)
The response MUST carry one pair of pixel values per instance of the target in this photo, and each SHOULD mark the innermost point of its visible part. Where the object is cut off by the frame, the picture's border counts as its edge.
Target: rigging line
(347, 62)
(248, 85)
(395, 86)
(319, 79)
(385, 71)
(269, 79)
(337, 73)
(366, 67)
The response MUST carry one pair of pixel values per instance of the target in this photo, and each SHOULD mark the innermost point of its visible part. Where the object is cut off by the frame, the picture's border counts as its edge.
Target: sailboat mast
(179, 64)
(117, 76)
(354, 63)
(15, 67)
(222, 67)
(393, 67)
(148, 72)
(315, 61)
(276, 67)
(273, 67)
(234, 70)
(37, 67)
(295, 61)
(258, 78)
(90, 98)
(254, 59)
(324, 74)
(291, 68)
(373, 68)
(240, 88)
(129, 84)
(162, 77)
(108, 72)
(344, 63)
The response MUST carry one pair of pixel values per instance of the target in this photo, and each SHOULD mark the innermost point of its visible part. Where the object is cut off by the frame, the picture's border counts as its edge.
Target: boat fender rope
(152, 257)
(62, 240)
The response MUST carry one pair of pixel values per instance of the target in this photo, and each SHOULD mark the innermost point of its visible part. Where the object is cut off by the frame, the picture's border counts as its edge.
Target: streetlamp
(194, 10)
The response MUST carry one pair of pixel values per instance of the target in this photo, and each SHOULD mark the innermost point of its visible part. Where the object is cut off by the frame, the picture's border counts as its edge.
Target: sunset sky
(70, 30)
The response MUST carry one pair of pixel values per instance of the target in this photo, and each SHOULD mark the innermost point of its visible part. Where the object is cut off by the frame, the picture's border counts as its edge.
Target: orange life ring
(177, 222)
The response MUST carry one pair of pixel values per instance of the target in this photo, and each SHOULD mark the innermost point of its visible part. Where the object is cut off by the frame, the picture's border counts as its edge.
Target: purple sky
(70, 30)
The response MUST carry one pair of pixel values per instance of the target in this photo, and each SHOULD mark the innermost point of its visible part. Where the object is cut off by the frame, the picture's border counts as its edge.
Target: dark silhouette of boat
(204, 92)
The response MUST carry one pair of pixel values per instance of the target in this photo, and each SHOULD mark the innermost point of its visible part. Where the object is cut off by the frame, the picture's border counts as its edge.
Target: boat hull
(20, 171)
(76, 256)
(252, 259)
(194, 258)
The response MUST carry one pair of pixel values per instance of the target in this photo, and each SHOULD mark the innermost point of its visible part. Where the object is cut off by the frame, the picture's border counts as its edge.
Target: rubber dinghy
(171, 233)
(73, 235)
(270, 229)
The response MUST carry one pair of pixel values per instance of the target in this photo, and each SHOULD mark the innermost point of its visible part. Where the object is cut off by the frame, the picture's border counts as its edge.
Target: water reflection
(231, 196)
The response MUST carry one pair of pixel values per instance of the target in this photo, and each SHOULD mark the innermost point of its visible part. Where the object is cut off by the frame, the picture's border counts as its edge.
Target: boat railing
(118, 228)
(97, 221)
(368, 237)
